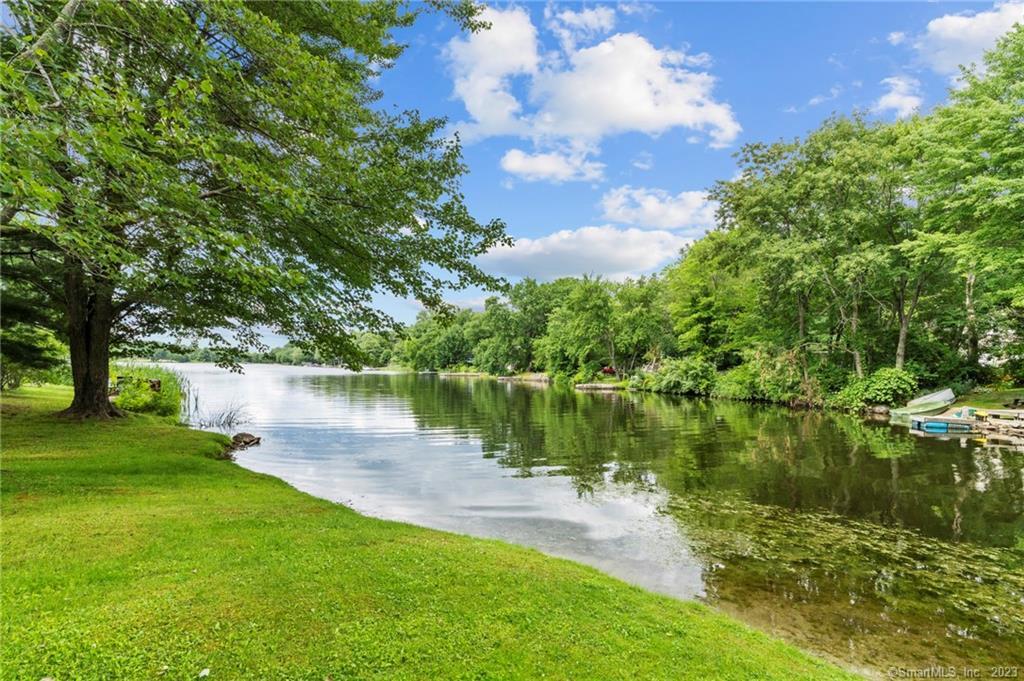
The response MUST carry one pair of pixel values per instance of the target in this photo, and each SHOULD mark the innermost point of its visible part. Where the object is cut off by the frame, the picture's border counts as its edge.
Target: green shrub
(57, 375)
(778, 376)
(738, 383)
(851, 397)
(888, 386)
(13, 374)
(586, 373)
(832, 377)
(687, 376)
(561, 380)
(641, 380)
(136, 395)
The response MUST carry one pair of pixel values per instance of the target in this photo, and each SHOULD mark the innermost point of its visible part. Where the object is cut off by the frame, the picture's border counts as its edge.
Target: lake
(854, 540)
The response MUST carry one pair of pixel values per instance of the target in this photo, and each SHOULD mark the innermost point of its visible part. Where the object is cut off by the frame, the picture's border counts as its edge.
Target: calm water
(856, 541)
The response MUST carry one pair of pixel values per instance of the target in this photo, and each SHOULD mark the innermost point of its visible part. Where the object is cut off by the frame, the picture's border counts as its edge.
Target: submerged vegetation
(172, 562)
(880, 580)
(887, 548)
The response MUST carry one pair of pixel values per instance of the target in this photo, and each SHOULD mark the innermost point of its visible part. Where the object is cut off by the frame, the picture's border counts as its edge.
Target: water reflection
(858, 541)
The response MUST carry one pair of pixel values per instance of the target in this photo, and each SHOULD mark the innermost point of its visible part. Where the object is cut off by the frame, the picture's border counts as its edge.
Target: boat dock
(1010, 414)
(944, 424)
(933, 414)
(993, 423)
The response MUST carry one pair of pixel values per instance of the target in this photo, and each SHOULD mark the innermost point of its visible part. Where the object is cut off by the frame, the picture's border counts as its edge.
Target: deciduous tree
(205, 169)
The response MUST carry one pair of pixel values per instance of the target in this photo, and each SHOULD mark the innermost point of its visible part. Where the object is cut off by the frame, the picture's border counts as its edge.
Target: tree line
(863, 247)
(207, 170)
(376, 351)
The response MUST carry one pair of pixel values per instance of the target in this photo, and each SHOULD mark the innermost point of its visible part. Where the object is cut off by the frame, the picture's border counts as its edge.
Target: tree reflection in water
(856, 540)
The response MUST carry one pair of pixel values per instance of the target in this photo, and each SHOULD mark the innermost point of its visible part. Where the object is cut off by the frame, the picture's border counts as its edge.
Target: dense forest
(853, 265)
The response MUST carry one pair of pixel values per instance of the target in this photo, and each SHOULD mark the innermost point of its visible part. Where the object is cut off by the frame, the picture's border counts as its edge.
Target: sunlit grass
(992, 399)
(130, 551)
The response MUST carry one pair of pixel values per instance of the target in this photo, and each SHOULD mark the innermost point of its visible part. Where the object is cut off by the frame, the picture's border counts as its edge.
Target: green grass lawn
(129, 551)
(992, 399)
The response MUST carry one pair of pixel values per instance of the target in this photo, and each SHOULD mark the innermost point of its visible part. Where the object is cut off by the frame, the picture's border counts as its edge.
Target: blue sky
(593, 129)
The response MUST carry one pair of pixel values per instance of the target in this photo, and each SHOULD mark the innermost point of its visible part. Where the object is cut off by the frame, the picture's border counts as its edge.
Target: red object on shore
(608, 371)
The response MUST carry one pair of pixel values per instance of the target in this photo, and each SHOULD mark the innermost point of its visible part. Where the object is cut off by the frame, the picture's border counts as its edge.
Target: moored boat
(933, 403)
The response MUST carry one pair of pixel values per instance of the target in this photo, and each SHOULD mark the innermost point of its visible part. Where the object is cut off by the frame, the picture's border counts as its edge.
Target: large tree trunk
(901, 344)
(904, 313)
(90, 316)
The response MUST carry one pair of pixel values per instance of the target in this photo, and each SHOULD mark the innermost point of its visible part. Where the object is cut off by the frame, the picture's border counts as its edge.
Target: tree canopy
(208, 169)
(860, 261)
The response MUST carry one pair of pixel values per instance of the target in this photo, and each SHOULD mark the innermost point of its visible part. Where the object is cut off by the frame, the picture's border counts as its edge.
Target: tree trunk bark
(901, 344)
(906, 313)
(858, 364)
(971, 323)
(90, 316)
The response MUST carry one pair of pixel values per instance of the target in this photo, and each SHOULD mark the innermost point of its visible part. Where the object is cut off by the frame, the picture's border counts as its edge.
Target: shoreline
(200, 555)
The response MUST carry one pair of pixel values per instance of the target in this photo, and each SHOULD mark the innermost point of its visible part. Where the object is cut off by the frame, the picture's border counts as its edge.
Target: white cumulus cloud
(608, 251)
(954, 39)
(896, 37)
(903, 96)
(642, 207)
(578, 95)
(626, 84)
(553, 166)
(570, 26)
(483, 64)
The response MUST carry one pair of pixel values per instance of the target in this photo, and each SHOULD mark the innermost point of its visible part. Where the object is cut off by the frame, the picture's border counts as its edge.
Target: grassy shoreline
(129, 551)
(990, 399)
